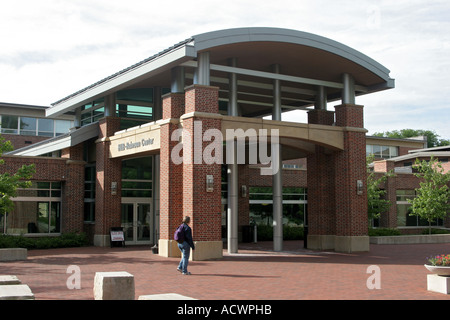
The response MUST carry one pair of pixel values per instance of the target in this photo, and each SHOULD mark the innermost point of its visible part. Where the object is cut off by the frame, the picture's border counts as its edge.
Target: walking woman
(185, 247)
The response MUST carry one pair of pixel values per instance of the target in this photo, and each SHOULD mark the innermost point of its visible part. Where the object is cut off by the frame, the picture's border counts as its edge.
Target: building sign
(135, 141)
(132, 145)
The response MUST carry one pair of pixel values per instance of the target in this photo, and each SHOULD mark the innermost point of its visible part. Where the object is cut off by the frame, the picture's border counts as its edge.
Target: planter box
(411, 239)
(437, 283)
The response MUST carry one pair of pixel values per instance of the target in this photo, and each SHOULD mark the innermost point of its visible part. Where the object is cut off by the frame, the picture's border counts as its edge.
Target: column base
(168, 248)
(321, 242)
(204, 250)
(351, 243)
(102, 240)
(339, 243)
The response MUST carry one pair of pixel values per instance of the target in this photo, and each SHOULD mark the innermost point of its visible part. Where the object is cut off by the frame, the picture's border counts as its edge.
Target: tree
(10, 182)
(376, 204)
(432, 137)
(432, 200)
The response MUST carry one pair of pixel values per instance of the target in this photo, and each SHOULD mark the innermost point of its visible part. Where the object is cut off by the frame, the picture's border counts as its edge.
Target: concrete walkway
(255, 273)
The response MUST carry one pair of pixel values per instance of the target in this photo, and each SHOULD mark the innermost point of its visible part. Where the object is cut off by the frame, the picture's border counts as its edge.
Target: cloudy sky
(53, 48)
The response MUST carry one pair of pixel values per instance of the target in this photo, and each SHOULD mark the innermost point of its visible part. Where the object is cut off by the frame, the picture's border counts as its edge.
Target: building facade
(196, 130)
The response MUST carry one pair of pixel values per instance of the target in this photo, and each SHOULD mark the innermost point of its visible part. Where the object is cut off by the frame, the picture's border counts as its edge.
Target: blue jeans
(185, 252)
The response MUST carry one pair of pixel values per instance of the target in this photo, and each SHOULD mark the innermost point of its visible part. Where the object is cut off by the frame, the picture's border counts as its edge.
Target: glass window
(45, 127)
(28, 126)
(98, 113)
(137, 168)
(393, 151)
(92, 112)
(62, 127)
(36, 209)
(86, 118)
(294, 205)
(140, 94)
(89, 211)
(89, 193)
(384, 152)
(137, 177)
(404, 195)
(10, 124)
(368, 150)
(404, 219)
(377, 151)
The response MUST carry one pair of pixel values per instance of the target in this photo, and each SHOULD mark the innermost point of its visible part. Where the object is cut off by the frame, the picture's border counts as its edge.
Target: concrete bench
(8, 280)
(16, 292)
(114, 286)
(13, 254)
(165, 296)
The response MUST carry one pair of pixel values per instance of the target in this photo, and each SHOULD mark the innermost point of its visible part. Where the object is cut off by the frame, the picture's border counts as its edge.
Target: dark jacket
(188, 236)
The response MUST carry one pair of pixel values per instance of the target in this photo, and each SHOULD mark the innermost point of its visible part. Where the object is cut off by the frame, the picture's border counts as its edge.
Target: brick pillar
(73, 190)
(171, 177)
(107, 205)
(350, 167)
(202, 206)
(321, 199)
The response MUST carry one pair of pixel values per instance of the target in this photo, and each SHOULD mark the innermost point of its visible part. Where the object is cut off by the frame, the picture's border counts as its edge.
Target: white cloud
(52, 48)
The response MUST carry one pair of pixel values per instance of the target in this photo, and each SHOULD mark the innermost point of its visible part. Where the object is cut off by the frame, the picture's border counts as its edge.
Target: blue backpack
(179, 234)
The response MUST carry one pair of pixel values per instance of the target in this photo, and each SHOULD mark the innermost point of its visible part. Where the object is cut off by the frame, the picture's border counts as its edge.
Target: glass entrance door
(137, 222)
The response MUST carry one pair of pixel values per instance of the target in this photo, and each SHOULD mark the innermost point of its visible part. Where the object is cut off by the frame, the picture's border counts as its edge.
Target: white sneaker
(186, 273)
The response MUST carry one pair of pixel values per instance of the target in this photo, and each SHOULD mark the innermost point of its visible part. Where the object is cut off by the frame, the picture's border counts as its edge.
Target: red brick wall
(350, 166)
(69, 172)
(203, 207)
(171, 174)
(107, 205)
(20, 141)
(244, 178)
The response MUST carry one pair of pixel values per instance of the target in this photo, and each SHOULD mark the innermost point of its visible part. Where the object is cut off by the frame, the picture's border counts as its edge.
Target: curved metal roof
(209, 40)
(300, 55)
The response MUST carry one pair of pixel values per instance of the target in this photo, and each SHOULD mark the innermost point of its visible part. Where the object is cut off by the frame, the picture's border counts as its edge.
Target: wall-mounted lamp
(209, 183)
(113, 188)
(359, 187)
(244, 191)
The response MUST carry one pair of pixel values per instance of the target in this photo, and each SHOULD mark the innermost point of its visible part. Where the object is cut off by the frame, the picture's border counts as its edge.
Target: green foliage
(375, 202)
(432, 137)
(10, 182)
(383, 232)
(63, 241)
(265, 233)
(436, 231)
(432, 200)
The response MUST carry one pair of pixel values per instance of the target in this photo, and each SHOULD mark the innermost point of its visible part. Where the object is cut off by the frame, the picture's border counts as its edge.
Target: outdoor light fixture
(209, 183)
(244, 191)
(113, 188)
(359, 187)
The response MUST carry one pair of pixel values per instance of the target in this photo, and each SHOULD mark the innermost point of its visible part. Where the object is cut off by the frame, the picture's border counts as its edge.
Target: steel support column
(110, 105)
(177, 83)
(233, 208)
(348, 92)
(202, 74)
(277, 183)
(321, 98)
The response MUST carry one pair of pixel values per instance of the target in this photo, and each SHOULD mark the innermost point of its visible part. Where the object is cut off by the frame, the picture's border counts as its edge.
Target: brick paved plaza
(255, 273)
